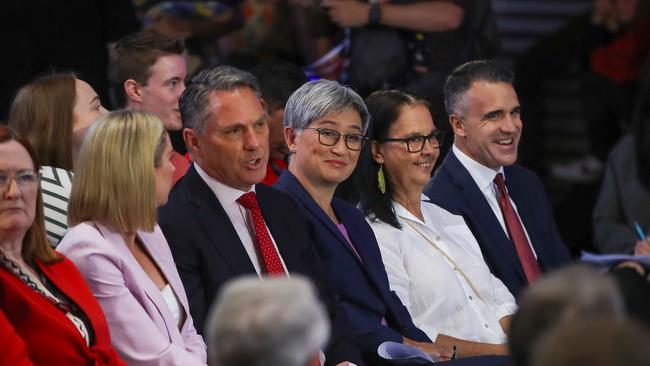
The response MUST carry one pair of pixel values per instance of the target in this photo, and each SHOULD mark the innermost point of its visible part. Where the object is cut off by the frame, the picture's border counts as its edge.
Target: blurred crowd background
(581, 65)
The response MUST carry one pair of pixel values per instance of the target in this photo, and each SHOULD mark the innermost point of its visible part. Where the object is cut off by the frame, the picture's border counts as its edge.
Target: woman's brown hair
(42, 111)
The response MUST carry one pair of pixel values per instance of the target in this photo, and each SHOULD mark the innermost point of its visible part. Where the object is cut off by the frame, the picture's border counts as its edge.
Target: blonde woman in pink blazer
(124, 173)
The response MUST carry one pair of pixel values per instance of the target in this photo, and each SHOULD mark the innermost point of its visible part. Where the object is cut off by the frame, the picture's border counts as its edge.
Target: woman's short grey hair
(194, 101)
(318, 98)
(276, 321)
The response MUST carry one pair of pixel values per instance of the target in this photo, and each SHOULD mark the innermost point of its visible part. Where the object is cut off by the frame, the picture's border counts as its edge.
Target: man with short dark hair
(504, 205)
(219, 222)
(149, 71)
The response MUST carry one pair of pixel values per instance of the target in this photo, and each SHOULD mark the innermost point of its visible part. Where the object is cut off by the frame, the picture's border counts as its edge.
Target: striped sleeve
(56, 185)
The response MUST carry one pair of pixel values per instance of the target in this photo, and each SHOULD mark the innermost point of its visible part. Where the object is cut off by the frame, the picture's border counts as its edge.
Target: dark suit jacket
(362, 286)
(208, 251)
(454, 189)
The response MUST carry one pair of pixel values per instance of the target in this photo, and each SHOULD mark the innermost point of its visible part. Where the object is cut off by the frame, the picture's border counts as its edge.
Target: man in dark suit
(504, 205)
(218, 221)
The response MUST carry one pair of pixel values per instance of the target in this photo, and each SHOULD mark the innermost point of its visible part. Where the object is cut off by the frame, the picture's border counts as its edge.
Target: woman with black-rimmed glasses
(325, 123)
(433, 261)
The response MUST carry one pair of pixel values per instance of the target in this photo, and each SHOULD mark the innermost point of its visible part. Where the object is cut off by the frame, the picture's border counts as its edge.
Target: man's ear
(375, 151)
(192, 142)
(132, 90)
(265, 105)
(290, 136)
(457, 125)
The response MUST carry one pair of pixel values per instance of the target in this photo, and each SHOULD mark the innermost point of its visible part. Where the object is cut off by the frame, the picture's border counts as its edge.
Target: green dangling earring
(381, 179)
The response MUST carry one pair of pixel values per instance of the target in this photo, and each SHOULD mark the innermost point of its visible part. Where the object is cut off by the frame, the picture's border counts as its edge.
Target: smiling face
(17, 204)
(489, 126)
(234, 148)
(164, 87)
(407, 172)
(322, 165)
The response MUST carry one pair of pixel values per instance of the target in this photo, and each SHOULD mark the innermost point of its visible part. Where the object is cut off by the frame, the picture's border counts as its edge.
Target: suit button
(470, 297)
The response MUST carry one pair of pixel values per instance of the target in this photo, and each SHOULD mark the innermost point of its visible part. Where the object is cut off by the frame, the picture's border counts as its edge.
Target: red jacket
(30, 321)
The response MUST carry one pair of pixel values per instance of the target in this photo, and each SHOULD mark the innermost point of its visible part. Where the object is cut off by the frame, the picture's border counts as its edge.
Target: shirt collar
(402, 212)
(225, 194)
(482, 175)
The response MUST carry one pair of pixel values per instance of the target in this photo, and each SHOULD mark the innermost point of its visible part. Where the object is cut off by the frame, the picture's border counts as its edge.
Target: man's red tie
(517, 234)
(270, 255)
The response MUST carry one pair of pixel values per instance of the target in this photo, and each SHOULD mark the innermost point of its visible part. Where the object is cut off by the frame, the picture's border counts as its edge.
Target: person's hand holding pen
(642, 246)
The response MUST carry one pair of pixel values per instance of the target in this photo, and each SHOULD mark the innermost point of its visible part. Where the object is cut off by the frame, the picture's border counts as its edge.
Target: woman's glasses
(329, 137)
(415, 143)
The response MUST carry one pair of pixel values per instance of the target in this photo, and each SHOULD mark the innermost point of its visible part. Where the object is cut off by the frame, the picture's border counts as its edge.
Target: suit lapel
(527, 213)
(144, 281)
(280, 229)
(216, 225)
(295, 188)
(370, 262)
(153, 248)
(477, 203)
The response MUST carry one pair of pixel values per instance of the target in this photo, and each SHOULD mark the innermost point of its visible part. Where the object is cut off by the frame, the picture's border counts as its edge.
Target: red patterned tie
(270, 255)
(517, 234)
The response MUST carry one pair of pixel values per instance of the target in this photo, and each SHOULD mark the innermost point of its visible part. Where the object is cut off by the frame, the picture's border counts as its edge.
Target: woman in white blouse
(433, 261)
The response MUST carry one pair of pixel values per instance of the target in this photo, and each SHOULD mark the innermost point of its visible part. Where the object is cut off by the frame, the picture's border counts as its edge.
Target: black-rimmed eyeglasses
(330, 137)
(415, 143)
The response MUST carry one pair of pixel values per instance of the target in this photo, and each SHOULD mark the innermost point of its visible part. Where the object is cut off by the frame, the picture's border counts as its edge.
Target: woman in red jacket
(46, 308)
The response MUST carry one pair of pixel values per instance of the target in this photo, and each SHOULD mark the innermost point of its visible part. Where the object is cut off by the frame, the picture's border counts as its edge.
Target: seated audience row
(437, 274)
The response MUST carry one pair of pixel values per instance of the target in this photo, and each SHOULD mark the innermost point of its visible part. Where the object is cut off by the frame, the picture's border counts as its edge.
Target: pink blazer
(143, 330)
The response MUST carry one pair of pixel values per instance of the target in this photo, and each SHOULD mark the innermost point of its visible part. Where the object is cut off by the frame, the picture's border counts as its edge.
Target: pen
(639, 230)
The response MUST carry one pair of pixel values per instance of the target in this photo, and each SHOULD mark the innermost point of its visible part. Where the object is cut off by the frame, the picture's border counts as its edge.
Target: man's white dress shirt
(239, 217)
(458, 297)
(484, 179)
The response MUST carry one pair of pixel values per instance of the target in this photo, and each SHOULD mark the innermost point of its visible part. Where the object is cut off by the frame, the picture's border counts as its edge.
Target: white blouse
(452, 293)
(173, 304)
